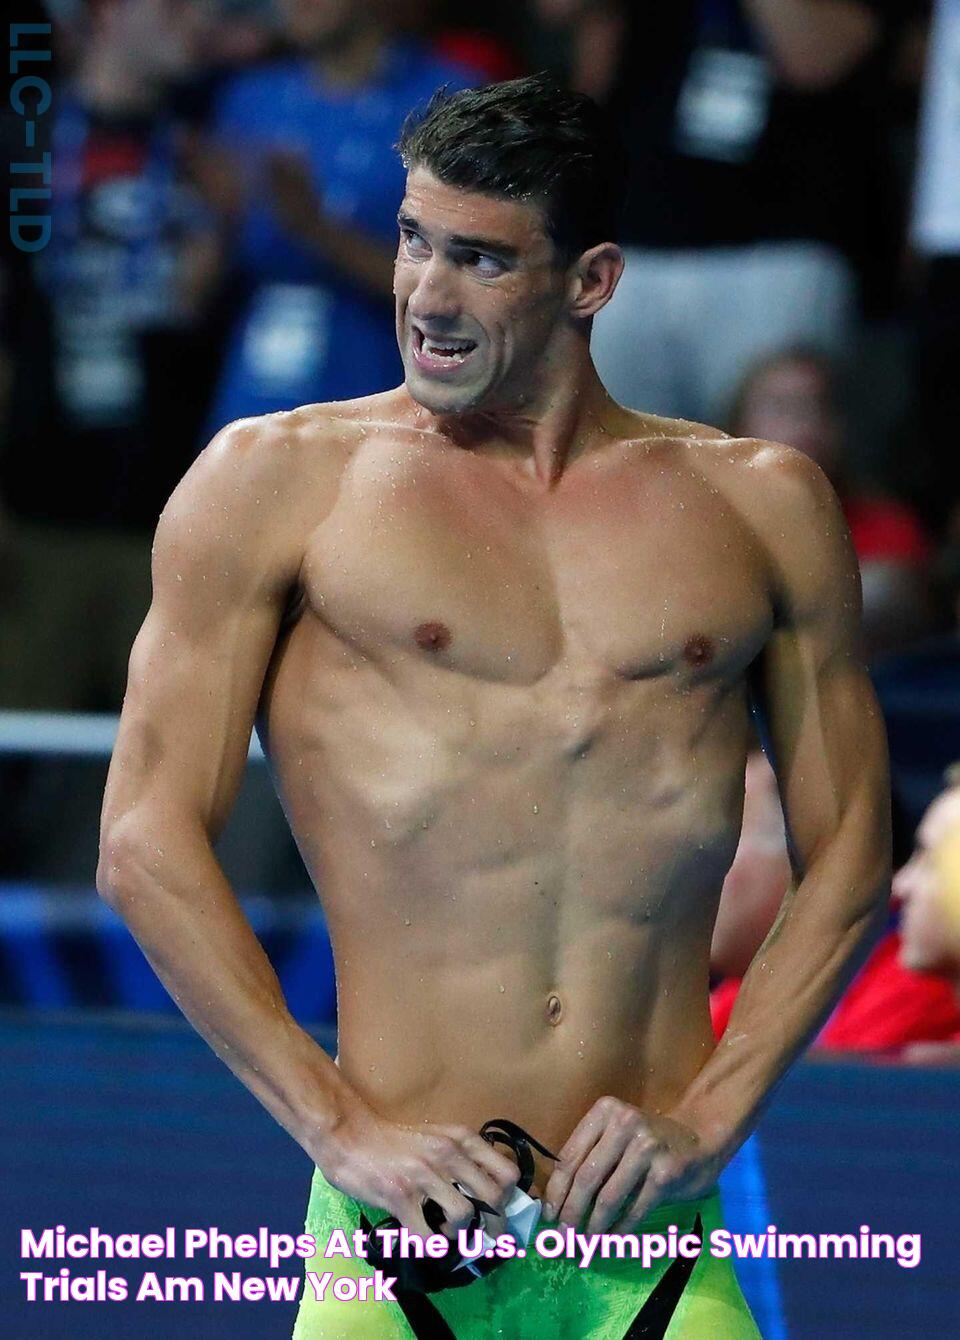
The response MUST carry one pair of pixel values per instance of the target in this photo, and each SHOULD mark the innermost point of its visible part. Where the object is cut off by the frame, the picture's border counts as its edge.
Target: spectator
(793, 397)
(130, 255)
(758, 878)
(908, 991)
(482, 46)
(756, 189)
(575, 40)
(94, 424)
(315, 220)
(928, 888)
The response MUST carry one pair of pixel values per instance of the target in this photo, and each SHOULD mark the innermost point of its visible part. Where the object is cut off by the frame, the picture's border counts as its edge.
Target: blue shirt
(307, 333)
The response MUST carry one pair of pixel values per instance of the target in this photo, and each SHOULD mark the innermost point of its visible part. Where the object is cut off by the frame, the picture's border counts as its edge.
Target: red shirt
(482, 55)
(885, 528)
(885, 1006)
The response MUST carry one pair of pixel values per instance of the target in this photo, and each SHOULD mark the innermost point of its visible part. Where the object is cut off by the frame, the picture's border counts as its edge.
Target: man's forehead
(459, 210)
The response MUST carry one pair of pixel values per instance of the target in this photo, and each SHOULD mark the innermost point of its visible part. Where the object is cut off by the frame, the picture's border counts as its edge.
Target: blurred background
(224, 191)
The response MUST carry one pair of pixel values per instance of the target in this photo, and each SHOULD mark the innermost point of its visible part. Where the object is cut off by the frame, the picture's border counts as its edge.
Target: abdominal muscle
(523, 991)
(518, 928)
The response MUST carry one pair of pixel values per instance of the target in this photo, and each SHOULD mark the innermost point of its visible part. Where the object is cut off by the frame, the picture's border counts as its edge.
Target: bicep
(818, 709)
(198, 664)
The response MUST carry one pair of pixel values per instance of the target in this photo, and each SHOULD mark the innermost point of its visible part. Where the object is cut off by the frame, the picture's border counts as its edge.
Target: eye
(413, 243)
(486, 266)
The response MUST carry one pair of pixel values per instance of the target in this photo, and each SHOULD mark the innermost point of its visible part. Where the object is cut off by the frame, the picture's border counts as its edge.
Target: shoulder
(263, 482)
(753, 468)
(798, 520)
(272, 448)
(777, 488)
(657, 427)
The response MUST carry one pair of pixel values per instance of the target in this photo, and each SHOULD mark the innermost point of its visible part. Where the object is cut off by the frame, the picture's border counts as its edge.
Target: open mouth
(440, 353)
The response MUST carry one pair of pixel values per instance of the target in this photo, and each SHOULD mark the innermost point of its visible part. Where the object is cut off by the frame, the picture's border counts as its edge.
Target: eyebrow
(484, 244)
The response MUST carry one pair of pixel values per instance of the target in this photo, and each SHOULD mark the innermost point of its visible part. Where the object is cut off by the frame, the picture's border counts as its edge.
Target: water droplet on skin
(406, 921)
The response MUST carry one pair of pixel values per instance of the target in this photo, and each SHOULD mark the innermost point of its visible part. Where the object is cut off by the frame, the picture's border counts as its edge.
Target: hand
(398, 1167)
(624, 1162)
(294, 196)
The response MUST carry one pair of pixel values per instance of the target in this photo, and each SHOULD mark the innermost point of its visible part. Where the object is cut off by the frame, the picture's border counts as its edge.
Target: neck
(545, 432)
(349, 59)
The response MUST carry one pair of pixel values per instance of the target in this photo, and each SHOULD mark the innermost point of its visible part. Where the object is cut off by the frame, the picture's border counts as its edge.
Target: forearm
(825, 928)
(170, 890)
(367, 263)
(813, 42)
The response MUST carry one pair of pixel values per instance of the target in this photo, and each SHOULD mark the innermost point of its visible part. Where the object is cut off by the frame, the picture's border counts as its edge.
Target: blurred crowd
(223, 225)
(223, 220)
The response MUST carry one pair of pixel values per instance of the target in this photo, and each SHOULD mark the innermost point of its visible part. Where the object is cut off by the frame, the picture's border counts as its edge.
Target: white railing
(67, 734)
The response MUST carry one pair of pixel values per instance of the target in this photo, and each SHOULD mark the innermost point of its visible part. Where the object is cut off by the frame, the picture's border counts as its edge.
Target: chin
(440, 399)
(910, 960)
(918, 958)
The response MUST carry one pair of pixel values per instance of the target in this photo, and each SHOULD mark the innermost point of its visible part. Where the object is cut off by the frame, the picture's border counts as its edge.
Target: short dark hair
(528, 140)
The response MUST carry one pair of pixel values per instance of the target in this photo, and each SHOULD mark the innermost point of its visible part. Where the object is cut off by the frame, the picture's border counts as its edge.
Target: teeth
(442, 347)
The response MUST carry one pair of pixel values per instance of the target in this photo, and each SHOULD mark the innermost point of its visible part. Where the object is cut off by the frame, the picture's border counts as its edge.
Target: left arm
(831, 764)
(830, 757)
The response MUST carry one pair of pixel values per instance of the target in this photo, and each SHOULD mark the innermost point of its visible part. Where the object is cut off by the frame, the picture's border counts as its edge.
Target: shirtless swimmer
(502, 638)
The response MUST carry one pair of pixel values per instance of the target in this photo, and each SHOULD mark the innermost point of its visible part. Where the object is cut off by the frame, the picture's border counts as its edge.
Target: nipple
(698, 650)
(432, 636)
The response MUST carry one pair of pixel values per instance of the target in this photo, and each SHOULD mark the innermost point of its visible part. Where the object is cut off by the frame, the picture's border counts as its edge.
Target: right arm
(226, 557)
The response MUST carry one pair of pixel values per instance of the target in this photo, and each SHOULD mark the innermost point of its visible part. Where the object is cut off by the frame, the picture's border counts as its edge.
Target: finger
(651, 1194)
(457, 1210)
(583, 1138)
(500, 1168)
(593, 1172)
(477, 1181)
(624, 1184)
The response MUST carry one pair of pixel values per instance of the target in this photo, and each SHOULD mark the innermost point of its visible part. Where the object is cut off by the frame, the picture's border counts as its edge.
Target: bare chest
(635, 573)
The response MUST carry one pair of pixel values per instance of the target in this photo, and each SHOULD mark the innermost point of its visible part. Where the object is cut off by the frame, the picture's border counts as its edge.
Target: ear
(593, 278)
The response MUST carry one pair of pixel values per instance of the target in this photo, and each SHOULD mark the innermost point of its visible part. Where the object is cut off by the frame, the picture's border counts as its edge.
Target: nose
(902, 885)
(435, 297)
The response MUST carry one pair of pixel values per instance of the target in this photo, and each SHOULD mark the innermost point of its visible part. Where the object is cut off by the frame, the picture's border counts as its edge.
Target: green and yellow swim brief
(536, 1296)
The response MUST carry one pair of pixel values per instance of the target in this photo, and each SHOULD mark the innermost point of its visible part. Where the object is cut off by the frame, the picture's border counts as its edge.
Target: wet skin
(500, 637)
(510, 727)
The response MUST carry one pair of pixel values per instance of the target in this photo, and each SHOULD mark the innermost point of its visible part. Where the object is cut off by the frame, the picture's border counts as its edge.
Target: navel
(432, 636)
(698, 650)
(554, 1008)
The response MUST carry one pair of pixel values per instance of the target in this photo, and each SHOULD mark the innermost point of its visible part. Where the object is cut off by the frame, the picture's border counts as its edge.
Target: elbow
(121, 863)
(872, 905)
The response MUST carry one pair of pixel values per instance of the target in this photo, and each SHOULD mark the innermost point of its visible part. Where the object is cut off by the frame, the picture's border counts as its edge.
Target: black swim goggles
(431, 1275)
